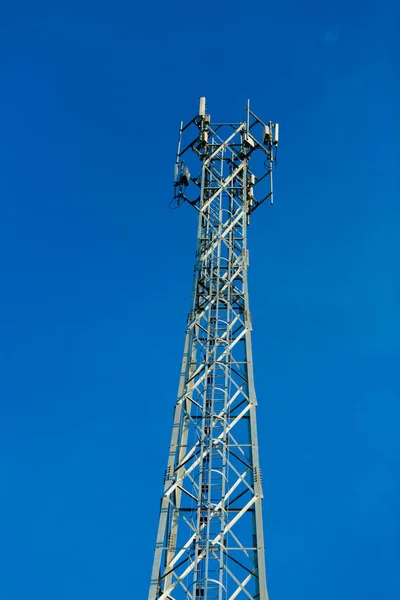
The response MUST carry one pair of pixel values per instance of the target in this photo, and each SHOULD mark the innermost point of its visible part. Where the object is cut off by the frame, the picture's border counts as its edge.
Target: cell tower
(210, 537)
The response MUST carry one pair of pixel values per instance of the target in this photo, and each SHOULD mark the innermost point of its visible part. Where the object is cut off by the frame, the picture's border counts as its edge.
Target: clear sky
(96, 281)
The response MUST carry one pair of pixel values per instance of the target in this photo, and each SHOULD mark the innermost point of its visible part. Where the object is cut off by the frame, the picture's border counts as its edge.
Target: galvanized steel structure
(210, 536)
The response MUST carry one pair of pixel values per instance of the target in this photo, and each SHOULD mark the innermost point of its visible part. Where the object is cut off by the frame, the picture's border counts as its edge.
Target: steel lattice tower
(210, 537)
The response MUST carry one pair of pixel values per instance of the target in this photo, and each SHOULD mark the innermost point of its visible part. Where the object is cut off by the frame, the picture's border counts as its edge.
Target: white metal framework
(210, 536)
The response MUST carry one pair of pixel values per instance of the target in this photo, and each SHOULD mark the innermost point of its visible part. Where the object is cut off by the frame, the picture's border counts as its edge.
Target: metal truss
(210, 536)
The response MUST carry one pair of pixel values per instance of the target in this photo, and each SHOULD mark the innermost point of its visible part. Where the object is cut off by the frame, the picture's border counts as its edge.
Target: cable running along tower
(210, 535)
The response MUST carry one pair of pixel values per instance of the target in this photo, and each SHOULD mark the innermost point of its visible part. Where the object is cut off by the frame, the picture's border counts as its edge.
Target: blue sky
(96, 280)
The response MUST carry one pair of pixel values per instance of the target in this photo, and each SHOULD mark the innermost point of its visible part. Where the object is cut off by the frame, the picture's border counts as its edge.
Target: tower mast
(210, 536)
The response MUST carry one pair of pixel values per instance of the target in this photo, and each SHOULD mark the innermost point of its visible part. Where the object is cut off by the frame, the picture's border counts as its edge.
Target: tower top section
(210, 543)
(233, 143)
